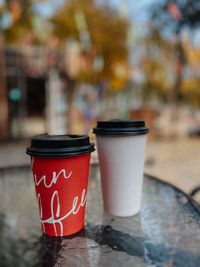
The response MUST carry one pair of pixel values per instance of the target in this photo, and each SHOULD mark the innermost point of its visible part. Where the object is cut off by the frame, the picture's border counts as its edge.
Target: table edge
(189, 198)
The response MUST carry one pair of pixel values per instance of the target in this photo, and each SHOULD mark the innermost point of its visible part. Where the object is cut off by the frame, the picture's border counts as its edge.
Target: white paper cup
(121, 150)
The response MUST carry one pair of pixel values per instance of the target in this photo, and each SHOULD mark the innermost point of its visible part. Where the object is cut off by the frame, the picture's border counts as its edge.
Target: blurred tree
(170, 18)
(191, 82)
(156, 63)
(101, 34)
(19, 15)
(98, 28)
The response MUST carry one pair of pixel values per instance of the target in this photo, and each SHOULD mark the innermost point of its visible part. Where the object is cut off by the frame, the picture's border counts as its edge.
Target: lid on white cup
(56, 146)
(120, 127)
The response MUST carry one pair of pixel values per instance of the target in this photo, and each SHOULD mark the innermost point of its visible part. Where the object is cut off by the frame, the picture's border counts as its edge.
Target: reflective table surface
(166, 232)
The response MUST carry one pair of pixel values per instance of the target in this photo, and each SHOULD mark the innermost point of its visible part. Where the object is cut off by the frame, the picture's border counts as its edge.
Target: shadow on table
(76, 250)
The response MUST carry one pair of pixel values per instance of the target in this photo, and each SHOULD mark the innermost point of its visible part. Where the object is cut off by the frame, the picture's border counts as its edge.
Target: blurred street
(175, 161)
(13, 154)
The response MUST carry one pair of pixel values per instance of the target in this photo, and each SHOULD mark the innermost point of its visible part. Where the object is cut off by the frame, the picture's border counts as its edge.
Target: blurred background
(66, 64)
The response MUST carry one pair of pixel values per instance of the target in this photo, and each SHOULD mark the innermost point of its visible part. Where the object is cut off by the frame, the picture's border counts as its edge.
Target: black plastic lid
(120, 127)
(56, 146)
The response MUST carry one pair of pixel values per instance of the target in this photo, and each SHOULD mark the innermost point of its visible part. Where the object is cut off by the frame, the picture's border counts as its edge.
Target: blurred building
(34, 92)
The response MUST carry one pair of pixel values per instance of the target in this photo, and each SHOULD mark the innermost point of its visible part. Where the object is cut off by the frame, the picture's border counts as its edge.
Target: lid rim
(121, 127)
(60, 146)
(59, 149)
(60, 155)
(120, 133)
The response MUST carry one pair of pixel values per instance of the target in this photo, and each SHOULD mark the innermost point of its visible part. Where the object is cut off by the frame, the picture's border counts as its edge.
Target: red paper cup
(60, 166)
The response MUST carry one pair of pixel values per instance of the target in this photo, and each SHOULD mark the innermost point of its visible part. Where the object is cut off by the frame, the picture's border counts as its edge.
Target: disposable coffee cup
(121, 151)
(60, 165)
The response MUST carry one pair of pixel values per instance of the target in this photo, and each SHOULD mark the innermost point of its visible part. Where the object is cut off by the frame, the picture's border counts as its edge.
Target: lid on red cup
(120, 127)
(56, 146)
